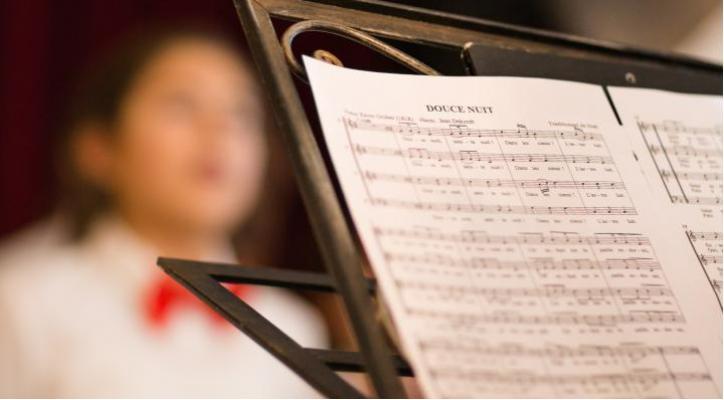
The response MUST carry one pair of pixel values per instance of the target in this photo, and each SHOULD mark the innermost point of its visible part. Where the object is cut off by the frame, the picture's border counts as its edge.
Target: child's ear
(92, 154)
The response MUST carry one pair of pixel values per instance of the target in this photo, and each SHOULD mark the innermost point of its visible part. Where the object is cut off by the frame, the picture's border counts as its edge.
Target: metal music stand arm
(316, 366)
(339, 252)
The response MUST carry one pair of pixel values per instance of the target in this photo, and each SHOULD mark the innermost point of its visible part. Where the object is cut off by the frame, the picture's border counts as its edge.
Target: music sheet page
(514, 238)
(678, 141)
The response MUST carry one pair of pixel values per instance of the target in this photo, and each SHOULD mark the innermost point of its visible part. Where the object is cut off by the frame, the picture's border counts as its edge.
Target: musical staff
(714, 260)
(708, 248)
(695, 236)
(544, 264)
(692, 176)
(467, 236)
(463, 320)
(492, 183)
(413, 129)
(696, 200)
(671, 126)
(545, 291)
(685, 156)
(593, 379)
(502, 209)
(481, 347)
(474, 155)
(685, 151)
(642, 381)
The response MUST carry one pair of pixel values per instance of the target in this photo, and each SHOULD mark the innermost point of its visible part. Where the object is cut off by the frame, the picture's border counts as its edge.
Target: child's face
(188, 149)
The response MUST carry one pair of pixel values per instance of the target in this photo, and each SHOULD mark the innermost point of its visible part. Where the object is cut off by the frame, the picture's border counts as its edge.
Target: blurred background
(46, 45)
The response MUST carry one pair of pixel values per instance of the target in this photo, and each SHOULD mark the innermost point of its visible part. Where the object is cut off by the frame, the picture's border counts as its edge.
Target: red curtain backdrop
(44, 46)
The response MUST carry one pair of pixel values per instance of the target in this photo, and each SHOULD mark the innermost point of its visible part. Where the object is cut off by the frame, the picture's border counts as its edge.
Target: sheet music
(511, 235)
(678, 140)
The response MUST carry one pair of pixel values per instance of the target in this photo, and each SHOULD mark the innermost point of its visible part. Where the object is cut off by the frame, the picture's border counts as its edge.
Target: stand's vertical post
(340, 254)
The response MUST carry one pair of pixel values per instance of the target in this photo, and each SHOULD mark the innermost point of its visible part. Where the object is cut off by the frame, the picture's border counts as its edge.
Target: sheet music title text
(459, 109)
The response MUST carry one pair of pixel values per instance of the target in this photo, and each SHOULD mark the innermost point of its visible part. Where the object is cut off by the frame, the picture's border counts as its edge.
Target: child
(165, 156)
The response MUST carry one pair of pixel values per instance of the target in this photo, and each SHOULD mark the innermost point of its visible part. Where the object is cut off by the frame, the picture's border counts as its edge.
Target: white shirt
(72, 325)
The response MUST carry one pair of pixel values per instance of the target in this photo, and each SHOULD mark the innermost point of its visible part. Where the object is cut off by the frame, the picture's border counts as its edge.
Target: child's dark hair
(97, 100)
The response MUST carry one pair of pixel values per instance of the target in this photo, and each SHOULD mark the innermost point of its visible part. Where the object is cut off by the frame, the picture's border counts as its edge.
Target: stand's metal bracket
(316, 366)
(348, 33)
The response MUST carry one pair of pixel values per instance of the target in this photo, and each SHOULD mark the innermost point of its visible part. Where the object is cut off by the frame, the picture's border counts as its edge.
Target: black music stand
(454, 45)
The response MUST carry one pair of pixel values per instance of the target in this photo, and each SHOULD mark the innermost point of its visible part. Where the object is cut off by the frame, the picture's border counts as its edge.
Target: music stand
(460, 41)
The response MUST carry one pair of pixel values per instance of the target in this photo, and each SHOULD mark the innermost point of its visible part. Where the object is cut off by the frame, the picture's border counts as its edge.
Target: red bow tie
(165, 296)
